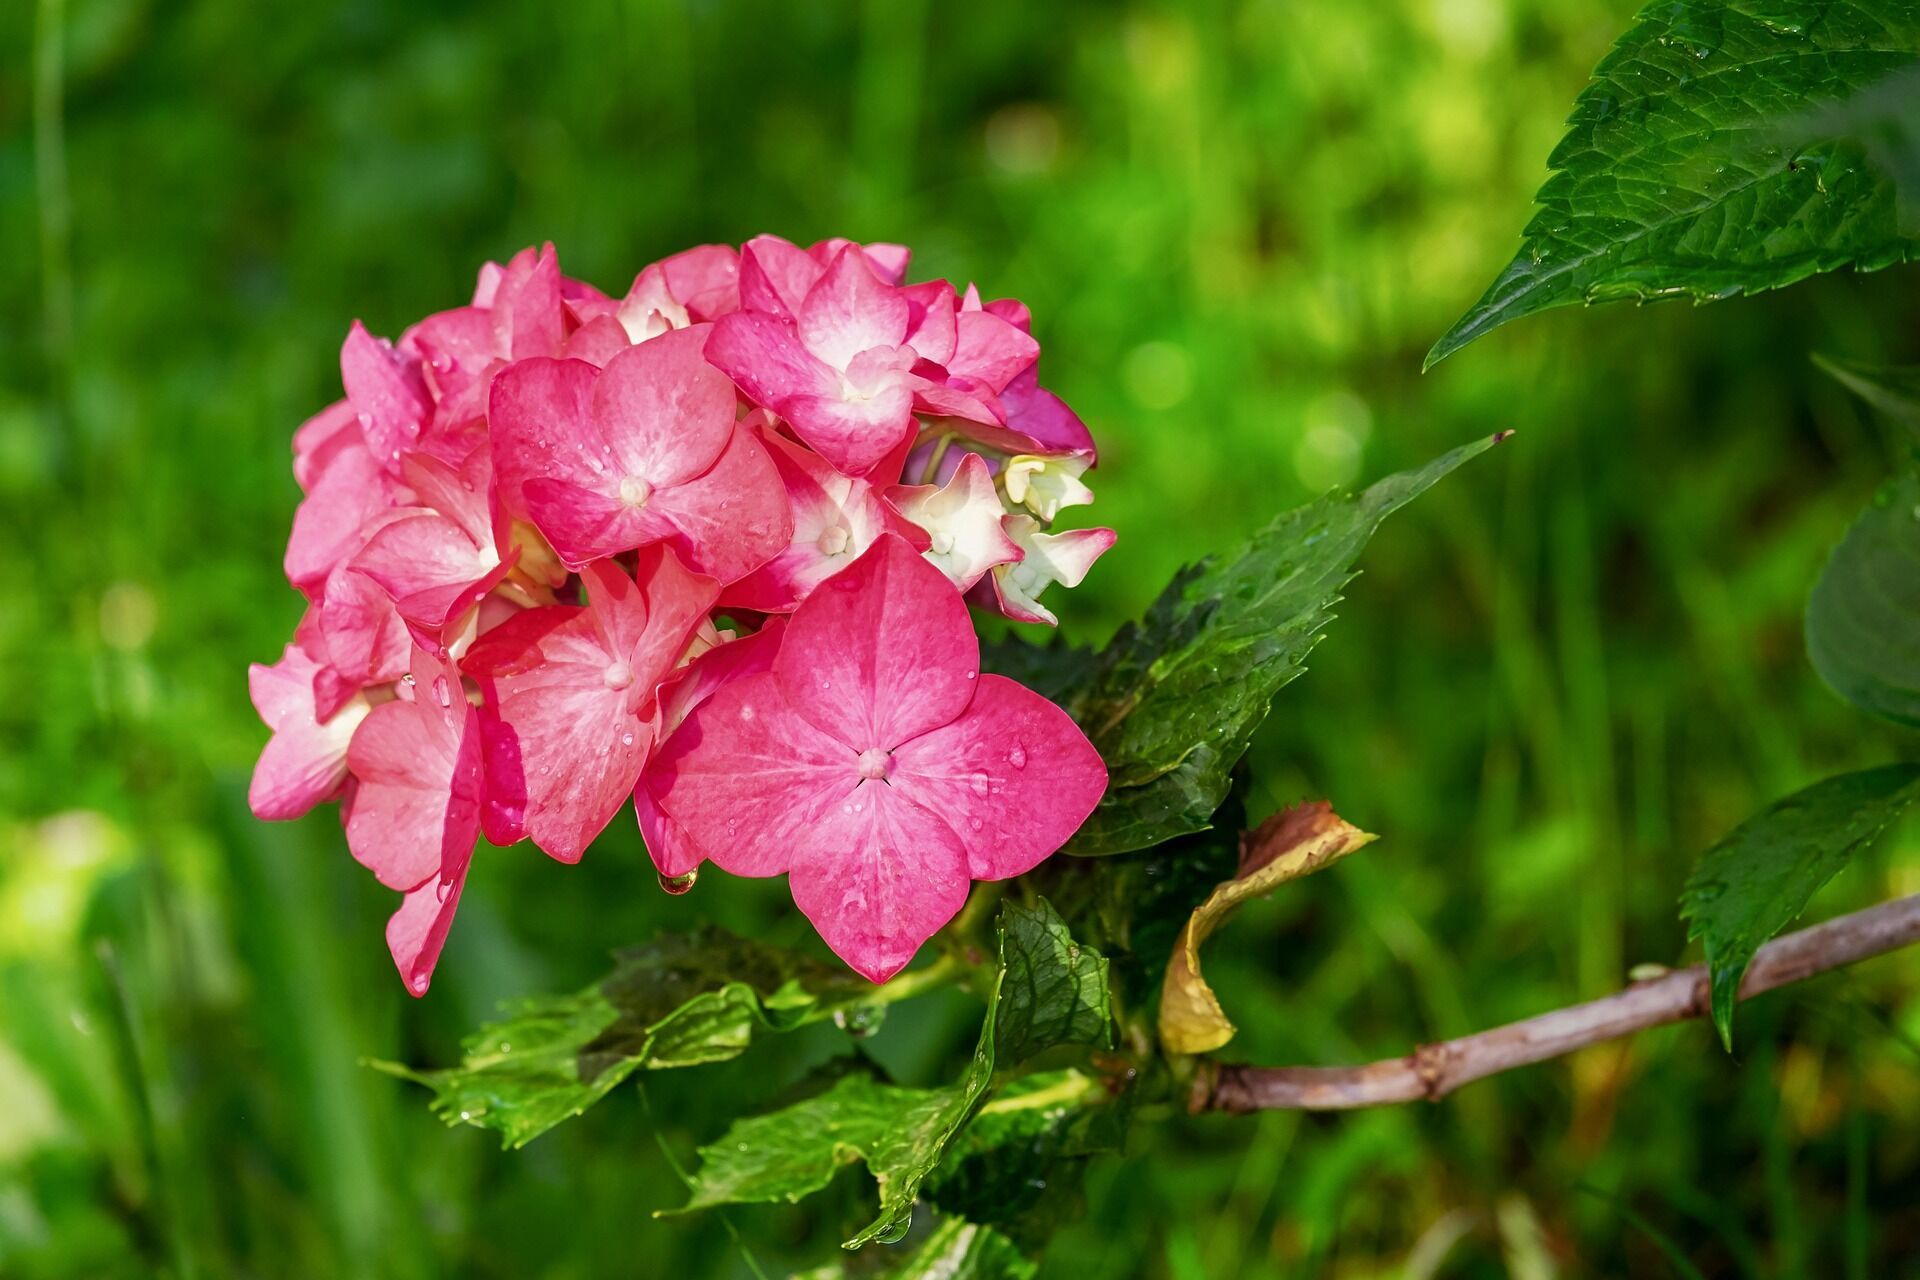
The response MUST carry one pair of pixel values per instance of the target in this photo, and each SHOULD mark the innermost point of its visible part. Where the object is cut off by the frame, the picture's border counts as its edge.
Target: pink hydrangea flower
(643, 451)
(569, 709)
(876, 766)
(840, 371)
(522, 522)
(835, 518)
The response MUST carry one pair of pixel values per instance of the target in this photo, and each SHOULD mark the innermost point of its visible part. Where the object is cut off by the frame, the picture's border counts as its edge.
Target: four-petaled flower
(876, 766)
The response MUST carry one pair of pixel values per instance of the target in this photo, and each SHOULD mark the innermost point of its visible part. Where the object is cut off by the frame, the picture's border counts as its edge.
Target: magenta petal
(418, 930)
(563, 749)
(387, 392)
(665, 411)
(321, 438)
(705, 280)
(1044, 417)
(775, 276)
(343, 506)
(365, 639)
(854, 435)
(597, 341)
(766, 360)
(584, 525)
(849, 311)
(931, 328)
(882, 651)
(733, 519)
(990, 350)
(749, 780)
(416, 809)
(422, 554)
(1014, 776)
(305, 760)
(878, 876)
(673, 851)
(537, 408)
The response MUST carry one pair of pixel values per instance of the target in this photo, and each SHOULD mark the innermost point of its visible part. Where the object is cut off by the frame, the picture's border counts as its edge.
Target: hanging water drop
(677, 885)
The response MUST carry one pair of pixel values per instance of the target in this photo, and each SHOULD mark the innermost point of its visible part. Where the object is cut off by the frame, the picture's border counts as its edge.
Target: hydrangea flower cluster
(705, 548)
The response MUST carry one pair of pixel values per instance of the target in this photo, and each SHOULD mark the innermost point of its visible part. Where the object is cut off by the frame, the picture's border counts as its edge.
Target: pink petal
(750, 781)
(597, 341)
(775, 276)
(665, 411)
(416, 808)
(305, 761)
(1044, 418)
(990, 350)
(705, 280)
(418, 930)
(849, 311)
(889, 261)
(878, 876)
(766, 361)
(1013, 776)
(568, 696)
(422, 559)
(730, 521)
(529, 318)
(881, 652)
(962, 520)
(931, 329)
(366, 641)
(346, 503)
(386, 391)
(535, 407)
(456, 349)
(674, 852)
(854, 435)
(321, 438)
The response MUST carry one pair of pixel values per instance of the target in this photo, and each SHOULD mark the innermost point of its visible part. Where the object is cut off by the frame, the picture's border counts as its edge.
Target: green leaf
(1047, 992)
(1018, 1163)
(1172, 702)
(1892, 389)
(1753, 883)
(1053, 669)
(1863, 618)
(681, 1000)
(1722, 148)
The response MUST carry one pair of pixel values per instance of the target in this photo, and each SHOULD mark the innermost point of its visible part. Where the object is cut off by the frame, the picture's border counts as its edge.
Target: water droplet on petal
(440, 693)
(979, 783)
(1017, 757)
(970, 675)
(626, 739)
(677, 885)
(976, 822)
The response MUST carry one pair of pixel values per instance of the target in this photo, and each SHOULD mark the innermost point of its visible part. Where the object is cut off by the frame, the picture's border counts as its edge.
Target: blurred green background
(1564, 673)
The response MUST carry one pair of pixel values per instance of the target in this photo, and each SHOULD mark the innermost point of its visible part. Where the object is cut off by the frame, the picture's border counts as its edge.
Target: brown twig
(1433, 1071)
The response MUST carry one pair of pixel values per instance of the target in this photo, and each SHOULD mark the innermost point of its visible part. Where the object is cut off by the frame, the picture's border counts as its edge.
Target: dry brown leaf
(1290, 844)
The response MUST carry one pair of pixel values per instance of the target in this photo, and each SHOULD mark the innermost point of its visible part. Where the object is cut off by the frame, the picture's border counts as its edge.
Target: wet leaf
(1047, 992)
(681, 1000)
(1722, 149)
(1172, 702)
(1754, 883)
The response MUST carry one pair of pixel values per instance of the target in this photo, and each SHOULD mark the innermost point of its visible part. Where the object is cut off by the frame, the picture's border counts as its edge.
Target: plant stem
(1433, 1071)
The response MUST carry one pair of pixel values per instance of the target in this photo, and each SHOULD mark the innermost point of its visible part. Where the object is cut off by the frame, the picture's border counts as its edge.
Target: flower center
(618, 675)
(942, 542)
(634, 491)
(873, 764)
(835, 540)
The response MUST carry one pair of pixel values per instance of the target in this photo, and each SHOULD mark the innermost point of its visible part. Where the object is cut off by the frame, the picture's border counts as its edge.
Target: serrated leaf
(681, 1000)
(1017, 1165)
(1172, 702)
(901, 1134)
(1892, 389)
(1292, 843)
(1863, 617)
(1722, 148)
(1756, 881)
